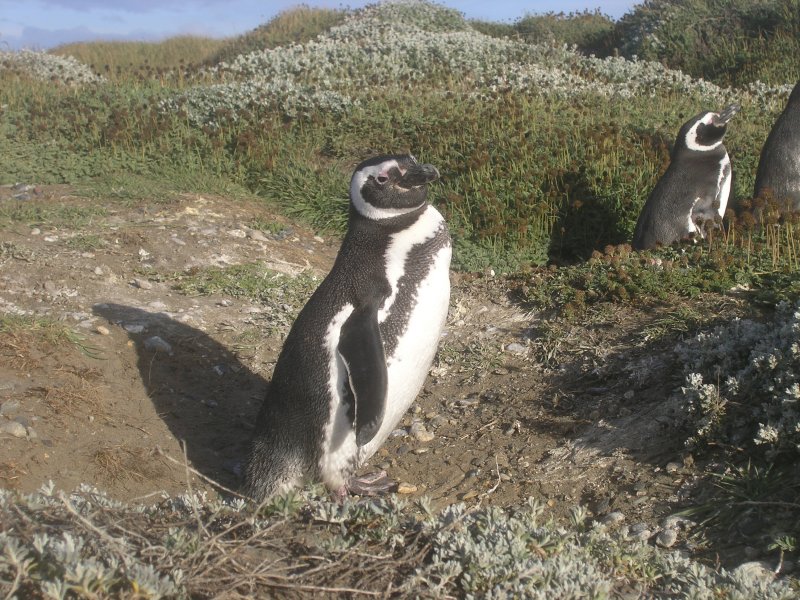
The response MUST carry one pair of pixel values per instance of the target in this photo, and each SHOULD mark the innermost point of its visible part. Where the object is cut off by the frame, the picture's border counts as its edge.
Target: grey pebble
(641, 536)
(638, 528)
(516, 348)
(158, 344)
(13, 428)
(398, 433)
(133, 328)
(142, 284)
(667, 538)
(613, 518)
(673, 467)
(675, 522)
(9, 408)
(419, 432)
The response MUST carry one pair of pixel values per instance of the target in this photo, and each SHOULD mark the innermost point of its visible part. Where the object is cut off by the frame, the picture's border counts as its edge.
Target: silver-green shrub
(397, 45)
(49, 67)
(743, 382)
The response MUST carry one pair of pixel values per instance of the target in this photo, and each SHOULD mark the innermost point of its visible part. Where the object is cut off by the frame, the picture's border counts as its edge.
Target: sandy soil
(518, 403)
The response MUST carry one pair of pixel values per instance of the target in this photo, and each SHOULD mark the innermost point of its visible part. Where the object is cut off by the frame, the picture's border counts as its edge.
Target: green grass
(618, 275)
(20, 332)
(756, 504)
(251, 281)
(58, 214)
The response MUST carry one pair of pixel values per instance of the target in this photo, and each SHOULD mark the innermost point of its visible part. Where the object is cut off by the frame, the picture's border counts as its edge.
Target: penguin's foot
(371, 484)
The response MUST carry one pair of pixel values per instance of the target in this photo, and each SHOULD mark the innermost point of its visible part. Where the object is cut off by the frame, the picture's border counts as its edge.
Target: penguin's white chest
(724, 184)
(419, 306)
(417, 267)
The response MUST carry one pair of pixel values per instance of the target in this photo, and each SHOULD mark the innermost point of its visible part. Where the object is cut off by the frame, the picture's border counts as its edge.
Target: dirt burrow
(517, 405)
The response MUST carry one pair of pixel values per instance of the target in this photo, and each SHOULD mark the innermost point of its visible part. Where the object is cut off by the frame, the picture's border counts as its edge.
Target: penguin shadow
(587, 222)
(207, 398)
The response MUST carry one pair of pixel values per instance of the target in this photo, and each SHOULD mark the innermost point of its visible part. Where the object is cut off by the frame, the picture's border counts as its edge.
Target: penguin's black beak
(417, 175)
(726, 115)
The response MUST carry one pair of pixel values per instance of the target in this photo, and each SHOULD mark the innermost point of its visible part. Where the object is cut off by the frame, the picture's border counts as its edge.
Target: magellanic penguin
(778, 173)
(359, 351)
(695, 187)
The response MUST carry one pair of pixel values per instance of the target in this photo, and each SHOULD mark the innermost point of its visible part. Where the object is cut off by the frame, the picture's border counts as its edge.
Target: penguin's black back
(779, 166)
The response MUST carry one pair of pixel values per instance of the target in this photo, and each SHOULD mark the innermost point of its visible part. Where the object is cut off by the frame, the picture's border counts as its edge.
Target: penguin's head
(704, 132)
(389, 186)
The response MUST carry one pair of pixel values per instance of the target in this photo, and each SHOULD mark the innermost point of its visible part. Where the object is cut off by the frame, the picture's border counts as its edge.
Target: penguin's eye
(381, 179)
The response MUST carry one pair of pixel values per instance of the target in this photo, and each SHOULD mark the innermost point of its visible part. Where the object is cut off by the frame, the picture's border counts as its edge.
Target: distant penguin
(779, 166)
(695, 187)
(360, 350)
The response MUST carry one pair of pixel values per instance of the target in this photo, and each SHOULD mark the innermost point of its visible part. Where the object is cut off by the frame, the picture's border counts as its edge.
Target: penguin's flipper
(361, 349)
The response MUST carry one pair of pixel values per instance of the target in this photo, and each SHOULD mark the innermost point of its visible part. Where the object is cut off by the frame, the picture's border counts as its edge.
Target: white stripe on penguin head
(364, 207)
(691, 136)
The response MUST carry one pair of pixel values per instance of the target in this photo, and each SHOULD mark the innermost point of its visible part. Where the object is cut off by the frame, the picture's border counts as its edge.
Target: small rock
(319, 239)
(143, 254)
(675, 522)
(36, 231)
(628, 395)
(423, 450)
(219, 370)
(420, 433)
(157, 305)
(641, 536)
(98, 270)
(398, 433)
(225, 303)
(102, 330)
(673, 467)
(158, 344)
(142, 284)
(87, 254)
(133, 328)
(667, 538)
(13, 428)
(9, 407)
(613, 518)
(516, 348)
(638, 527)
(256, 235)
(176, 240)
(406, 488)
(469, 495)
(755, 568)
(237, 233)
(50, 238)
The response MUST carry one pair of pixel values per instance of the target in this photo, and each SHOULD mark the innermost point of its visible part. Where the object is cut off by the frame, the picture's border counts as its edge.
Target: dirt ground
(518, 403)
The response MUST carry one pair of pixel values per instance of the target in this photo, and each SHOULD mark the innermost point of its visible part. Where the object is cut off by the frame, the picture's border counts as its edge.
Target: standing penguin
(779, 165)
(694, 188)
(360, 349)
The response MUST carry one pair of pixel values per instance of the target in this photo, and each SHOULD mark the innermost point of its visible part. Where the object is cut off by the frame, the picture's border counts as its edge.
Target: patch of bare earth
(518, 403)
